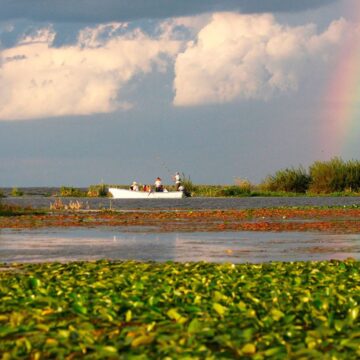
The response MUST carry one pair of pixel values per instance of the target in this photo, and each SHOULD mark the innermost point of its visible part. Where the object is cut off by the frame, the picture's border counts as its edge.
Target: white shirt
(177, 178)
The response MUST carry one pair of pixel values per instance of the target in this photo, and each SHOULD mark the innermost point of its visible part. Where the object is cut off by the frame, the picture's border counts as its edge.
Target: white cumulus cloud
(39, 80)
(241, 57)
(229, 57)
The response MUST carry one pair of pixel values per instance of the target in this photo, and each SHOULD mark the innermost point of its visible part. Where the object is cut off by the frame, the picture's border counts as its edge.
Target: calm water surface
(234, 247)
(188, 203)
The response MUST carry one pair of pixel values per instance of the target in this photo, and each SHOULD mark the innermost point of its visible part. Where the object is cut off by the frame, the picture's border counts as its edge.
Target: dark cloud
(126, 10)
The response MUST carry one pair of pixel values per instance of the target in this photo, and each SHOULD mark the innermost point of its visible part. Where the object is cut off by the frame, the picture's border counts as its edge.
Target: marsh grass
(98, 191)
(331, 178)
(288, 180)
(335, 176)
(66, 191)
(58, 204)
(14, 210)
(16, 192)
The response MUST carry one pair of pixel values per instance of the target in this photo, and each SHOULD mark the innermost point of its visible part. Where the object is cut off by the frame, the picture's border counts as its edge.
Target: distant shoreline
(208, 191)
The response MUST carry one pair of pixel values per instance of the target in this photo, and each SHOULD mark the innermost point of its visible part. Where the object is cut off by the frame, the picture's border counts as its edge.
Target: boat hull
(128, 194)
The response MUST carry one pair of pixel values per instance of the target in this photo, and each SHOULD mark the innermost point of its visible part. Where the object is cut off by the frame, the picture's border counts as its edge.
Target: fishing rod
(165, 166)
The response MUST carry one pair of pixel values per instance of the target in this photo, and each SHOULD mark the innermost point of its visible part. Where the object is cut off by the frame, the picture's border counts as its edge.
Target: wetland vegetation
(7, 210)
(334, 220)
(131, 310)
(335, 177)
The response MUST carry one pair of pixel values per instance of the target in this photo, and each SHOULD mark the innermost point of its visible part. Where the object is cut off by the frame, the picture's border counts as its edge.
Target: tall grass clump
(288, 180)
(335, 175)
(242, 187)
(189, 187)
(16, 192)
(15, 210)
(98, 191)
(353, 176)
(234, 191)
(244, 184)
(66, 191)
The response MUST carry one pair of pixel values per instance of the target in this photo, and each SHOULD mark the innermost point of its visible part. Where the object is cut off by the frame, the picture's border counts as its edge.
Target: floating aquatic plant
(131, 310)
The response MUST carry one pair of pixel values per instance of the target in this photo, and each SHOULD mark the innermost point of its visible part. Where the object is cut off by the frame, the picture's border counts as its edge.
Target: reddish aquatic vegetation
(331, 220)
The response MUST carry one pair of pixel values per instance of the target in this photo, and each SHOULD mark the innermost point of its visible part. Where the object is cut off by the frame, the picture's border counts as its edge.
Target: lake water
(235, 247)
(188, 203)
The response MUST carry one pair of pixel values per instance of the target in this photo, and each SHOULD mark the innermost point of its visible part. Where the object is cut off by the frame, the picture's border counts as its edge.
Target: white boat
(129, 194)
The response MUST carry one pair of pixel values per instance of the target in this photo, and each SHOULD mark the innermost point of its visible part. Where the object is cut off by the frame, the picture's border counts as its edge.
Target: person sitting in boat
(158, 185)
(147, 188)
(177, 180)
(134, 186)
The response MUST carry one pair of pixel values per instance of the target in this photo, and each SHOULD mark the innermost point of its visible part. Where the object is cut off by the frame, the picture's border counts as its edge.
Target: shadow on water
(235, 247)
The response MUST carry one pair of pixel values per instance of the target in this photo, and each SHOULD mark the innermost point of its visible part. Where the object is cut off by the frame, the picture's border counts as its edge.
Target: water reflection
(235, 247)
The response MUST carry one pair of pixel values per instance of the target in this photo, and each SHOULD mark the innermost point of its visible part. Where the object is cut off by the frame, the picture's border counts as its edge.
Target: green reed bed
(14, 210)
(132, 310)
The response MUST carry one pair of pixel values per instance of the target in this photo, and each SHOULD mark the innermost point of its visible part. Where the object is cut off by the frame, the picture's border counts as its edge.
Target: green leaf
(64, 333)
(34, 283)
(195, 326)
(276, 314)
(354, 313)
(128, 316)
(338, 325)
(106, 350)
(142, 340)
(221, 310)
(242, 306)
(274, 351)
(218, 296)
(79, 309)
(249, 349)
(173, 314)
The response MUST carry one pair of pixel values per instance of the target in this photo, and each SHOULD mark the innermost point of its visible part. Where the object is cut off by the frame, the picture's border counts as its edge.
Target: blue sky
(132, 89)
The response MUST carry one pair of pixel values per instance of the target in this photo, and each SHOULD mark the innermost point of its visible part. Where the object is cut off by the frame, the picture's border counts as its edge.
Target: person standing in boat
(177, 180)
(158, 185)
(134, 186)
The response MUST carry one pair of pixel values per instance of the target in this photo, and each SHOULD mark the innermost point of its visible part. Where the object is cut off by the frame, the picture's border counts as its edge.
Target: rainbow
(341, 105)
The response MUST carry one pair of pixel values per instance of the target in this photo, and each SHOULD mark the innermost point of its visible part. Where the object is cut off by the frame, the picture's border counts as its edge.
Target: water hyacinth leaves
(130, 310)
(220, 309)
(173, 314)
(34, 283)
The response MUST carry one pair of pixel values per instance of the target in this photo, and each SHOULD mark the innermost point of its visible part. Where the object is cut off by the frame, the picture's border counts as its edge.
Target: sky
(217, 90)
